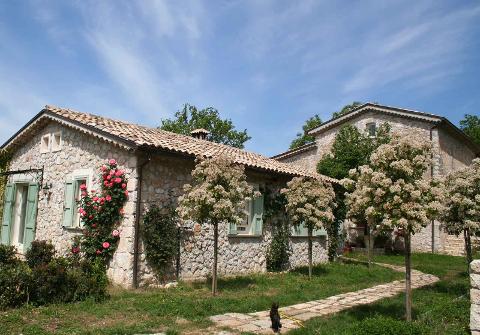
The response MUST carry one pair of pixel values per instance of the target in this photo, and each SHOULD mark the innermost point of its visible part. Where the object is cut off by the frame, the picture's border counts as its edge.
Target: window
(253, 223)
(372, 129)
(57, 141)
(244, 228)
(19, 214)
(72, 196)
(45, 144)
(77, 197)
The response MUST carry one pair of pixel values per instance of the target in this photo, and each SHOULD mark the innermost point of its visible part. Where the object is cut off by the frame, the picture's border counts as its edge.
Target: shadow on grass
(233, 283)
(316, 270)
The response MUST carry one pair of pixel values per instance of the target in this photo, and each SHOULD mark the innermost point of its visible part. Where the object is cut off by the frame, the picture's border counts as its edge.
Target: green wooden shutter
(31, 215)
(257, 217)
(232, 228)
(8, 212)
(69, 204)
(320, 232)
(297, 230)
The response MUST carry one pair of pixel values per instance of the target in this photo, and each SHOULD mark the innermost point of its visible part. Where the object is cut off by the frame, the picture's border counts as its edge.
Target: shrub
(15, 284)
(380, 325)
(40, 253)
(7, 255)
(278, 252)
(160, 237)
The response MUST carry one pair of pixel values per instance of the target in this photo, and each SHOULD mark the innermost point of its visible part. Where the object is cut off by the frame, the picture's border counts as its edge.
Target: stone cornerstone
(475, 297)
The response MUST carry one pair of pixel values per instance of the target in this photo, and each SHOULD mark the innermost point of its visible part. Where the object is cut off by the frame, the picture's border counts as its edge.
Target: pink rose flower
(98, 252)
(94, 225)
(95, 199)
(103, 168)
(105, 245)
(75, 250)
(109, 177)
(119, 173)
(105, 183)
(124, 185)
(126, 193)
(112, 162)
(83, 187)
(118, 180)
(121, 211)
(115, 233)
(108, 198)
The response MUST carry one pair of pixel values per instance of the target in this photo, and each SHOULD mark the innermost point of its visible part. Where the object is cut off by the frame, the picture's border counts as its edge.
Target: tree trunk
(368, 244)
(310, 252)
(408, 279)
(215, 255)
(468, 247)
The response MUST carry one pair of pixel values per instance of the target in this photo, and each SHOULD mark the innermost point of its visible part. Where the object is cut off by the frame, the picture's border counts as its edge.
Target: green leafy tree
(347, 108)
(471, 126)
(304, 138)
(5, 158)
(221, 130)
(351, 149)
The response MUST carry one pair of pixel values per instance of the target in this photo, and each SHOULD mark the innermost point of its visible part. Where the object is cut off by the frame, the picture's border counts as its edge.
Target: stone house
(453, 150)
(60, 149)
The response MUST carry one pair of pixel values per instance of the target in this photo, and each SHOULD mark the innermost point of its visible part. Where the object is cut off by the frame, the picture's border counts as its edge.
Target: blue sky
(267, 65)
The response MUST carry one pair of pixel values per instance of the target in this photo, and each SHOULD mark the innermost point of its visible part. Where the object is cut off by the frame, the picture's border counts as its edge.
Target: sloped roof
(132, 137)
(401, 112)
(296, 151)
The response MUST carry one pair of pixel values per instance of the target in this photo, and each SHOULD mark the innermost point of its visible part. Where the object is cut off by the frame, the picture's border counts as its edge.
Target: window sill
(245, 235)
(73, 229)
(314, 236)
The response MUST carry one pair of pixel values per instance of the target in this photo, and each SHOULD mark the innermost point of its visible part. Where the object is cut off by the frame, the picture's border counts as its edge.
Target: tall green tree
(471, 126)
(221, 130)
(304, 138)
(347, 108)
(351, 149)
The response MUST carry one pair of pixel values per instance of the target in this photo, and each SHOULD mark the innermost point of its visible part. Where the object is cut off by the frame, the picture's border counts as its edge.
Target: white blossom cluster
(218, 192)
(310, 201)
(462, 200)
(393, 192)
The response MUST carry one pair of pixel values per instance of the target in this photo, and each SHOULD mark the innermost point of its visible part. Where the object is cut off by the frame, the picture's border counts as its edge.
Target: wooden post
(215, 255)
(309, 252)
(408, 279)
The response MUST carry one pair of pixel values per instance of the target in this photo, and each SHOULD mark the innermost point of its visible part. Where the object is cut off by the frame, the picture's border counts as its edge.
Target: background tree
(221, 130)
(471, 126)
(392, 192)
(462, 205)
(5, 158)
(351, 149)
(310, 202)
(347, 108)
(217, 195)
(303, 138)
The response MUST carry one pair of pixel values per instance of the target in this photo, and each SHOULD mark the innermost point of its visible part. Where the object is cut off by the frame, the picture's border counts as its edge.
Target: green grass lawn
(443, 308)
(188, 306)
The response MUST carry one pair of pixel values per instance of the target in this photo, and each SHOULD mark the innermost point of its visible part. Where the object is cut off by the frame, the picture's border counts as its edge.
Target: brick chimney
(200, 133)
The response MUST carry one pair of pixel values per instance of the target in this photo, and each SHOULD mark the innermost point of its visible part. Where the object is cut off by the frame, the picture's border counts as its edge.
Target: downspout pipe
(138, 209)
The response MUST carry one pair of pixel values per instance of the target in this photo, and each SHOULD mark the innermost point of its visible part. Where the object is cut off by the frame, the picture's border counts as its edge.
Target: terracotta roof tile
(156, 138)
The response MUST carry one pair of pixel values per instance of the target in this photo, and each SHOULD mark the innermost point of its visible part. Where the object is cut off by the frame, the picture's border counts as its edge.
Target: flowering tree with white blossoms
(462, 204)
(217, 195)
(393, 192)
(310, 202)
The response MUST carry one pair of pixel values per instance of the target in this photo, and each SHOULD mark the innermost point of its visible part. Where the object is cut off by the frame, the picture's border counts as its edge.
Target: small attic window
(372, 129)
(45, 144)
(57, 141)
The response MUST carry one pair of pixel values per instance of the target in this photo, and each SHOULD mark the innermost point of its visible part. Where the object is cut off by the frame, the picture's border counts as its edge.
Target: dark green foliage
(278, 251)
(15, 284)
(5, 158)
(303, 138)
(471, 126)
(347, 108)
(380, 325)
(40, 252)
(7, 255)
(161, 238)
(221, 131)
(64, 280)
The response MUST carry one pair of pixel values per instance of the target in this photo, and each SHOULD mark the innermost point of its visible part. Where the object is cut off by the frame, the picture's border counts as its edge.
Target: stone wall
(475, 297)
(305, 159)
(165, 178)
(78, 152)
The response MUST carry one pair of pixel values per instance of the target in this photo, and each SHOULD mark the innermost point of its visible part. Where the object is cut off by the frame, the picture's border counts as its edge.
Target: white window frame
(77, 175)
(56, 148)
(43, 149)
(248, 215)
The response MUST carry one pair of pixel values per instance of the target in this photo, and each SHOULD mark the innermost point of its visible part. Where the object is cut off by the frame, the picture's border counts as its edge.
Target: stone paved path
(294, 315)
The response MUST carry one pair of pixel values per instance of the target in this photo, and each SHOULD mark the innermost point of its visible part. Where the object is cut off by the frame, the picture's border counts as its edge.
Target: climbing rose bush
(462, 204)
(101, 212)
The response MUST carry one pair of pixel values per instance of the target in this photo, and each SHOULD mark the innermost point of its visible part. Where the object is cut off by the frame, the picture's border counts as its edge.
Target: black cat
(275, 317)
